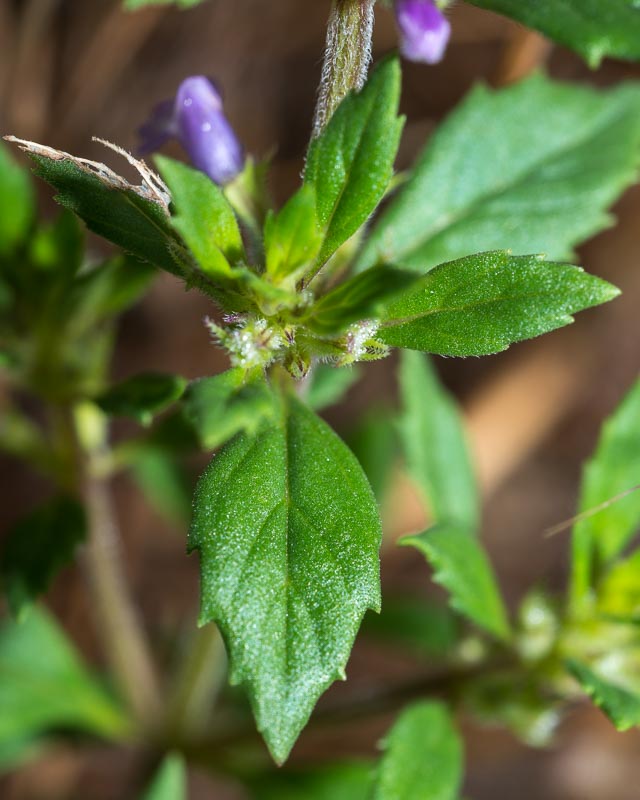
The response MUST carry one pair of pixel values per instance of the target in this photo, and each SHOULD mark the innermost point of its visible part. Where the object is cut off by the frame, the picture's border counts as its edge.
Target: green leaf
(292, 238)
(288, 533)
(142, 396)
(351, 163)
(346, 781)
(329, 384)
(170, 781)
(613, 469)
(481, 304)
(620, 705)
(619, 590)
(44, 685)
(434, 444)
(359, 298)
(37, 548)
(423, 756)
(222, 406)
(593, 28)
(461, 566)
(551, 158)
(17, 202)
(204, 218)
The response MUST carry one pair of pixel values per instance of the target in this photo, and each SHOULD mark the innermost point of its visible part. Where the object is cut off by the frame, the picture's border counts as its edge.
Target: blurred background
(70, 70)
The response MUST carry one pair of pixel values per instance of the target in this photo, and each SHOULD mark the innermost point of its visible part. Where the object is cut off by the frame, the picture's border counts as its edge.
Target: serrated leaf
(288, 533)
(481, 304)
(17, 202)
(292, 238)
(423, 756)
(169, 782)
(551, 159)
(614, 468)
(461, 566)
(434, 444)
(226, 404)
(37, 548)
(362, 297)
(330, 384)
(345, 781)
(619, 704)
(142, 396)
(39, 693)
(203, 217)
(351, 163)
(593, 28)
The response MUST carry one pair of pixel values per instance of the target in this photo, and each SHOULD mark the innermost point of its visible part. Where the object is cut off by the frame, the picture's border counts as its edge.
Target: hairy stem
(347, 56)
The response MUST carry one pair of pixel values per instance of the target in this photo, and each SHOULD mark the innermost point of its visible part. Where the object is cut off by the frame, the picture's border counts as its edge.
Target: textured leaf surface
(351, 163)
(614, 468)
(483, 303)
(423, 756)
(43, 684)
(142, 396)
(531, 168)
(226, 404)
(461, 566)
(288, 533)
(17, 203)
(593, 28)
(434, 443)
(620, 705)
(37, 548)
(170, 781)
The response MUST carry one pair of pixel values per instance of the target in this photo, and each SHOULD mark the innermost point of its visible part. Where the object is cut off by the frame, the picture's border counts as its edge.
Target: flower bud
(196, 118)
(424, 30)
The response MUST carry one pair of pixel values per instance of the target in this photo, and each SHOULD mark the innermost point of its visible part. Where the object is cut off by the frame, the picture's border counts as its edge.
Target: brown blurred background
(70, 69)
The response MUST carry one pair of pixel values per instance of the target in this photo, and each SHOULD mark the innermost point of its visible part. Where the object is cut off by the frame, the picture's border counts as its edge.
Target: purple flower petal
(424, 30)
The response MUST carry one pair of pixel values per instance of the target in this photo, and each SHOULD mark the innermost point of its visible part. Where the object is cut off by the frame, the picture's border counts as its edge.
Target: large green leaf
(619, 704)
(44, 685)
(203, 217)
(483, 303)
(17, 203)
(351, 163)
(463, 569)
(614, 468)
(423, 756)
(593, 28)
(531, 168)
(37, 549)
(434, 444)
(169, 782)
(288, 533)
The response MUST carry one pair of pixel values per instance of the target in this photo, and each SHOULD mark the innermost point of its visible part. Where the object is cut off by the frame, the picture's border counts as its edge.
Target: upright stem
(347, 56)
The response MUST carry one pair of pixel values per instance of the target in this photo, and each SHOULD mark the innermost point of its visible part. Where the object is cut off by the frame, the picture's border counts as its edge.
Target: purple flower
(196, 118)
(424, 30)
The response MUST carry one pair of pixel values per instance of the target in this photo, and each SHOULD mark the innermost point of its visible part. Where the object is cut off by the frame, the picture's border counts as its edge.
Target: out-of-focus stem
(347, 56)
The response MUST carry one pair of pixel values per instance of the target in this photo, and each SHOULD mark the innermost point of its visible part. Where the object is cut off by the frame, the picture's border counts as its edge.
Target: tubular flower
(196, 118)
(424, 30)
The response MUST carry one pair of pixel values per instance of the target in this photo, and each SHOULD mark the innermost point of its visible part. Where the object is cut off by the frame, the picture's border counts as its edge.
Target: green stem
(347, 56)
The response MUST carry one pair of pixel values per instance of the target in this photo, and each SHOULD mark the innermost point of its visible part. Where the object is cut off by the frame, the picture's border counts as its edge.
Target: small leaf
(362, 297)
(551, 159)
(170, 781)
(423, 756)
(288, 533)
(481, 304)
(463, 569)
(203, 217)
(613, 468)
(593, 28)
(351, 163)
(142, 396)
(37, 548)
(44, 685)
(17, 202)
(222, 406)
(620, 705)
(292, 238)
(435, 445)
(330, 384)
